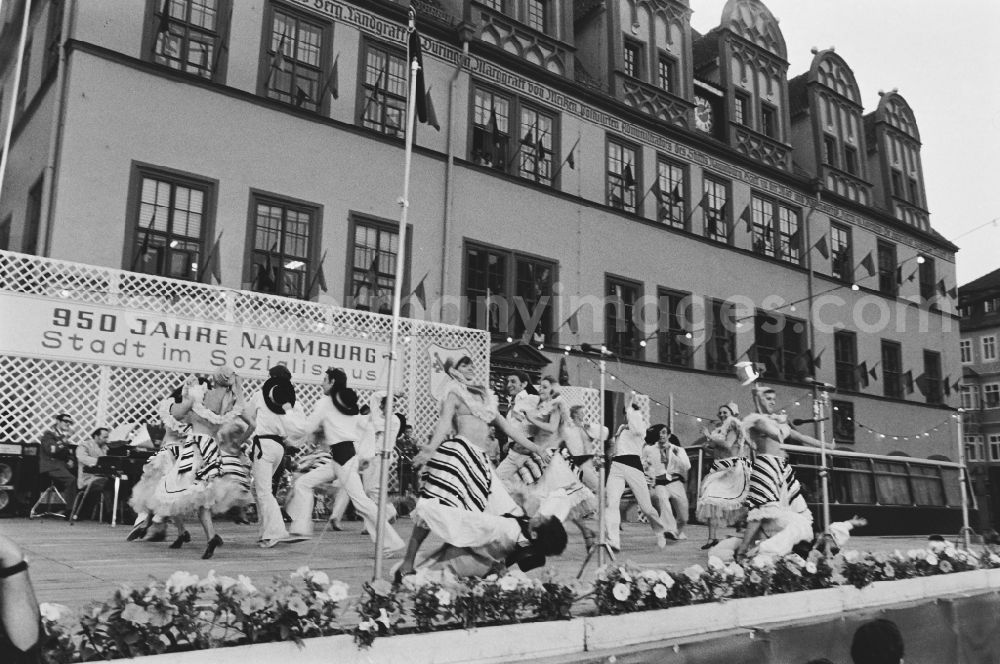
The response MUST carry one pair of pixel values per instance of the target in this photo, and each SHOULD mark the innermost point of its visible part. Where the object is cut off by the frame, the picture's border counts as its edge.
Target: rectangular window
(991, 395)
(621, 334)
(973, 447)
(842, 418)
(720, 348)
(670, 203)
(840, 252)
(171, 225)
(22, 83)
(622, 176)
(742, 109)
(914, 191)
(990, 305)
(674, 327)
(53, 37)
(969, 400)
(496, 118)
(665, 72)
(374, 251)
(33, 218)
(887, 269)
(501, 284)
(768, 120)
(633, 58)
(490, 128)
(927, 278)
(932, 377)
(297, 49)
(778, 342)
(994, 447)
(896, 180)
(495, 5)
(715, 202)
(775, 229)
(850, 160)
(282, 259)
(845, 351)
(989, 347)
(537, 14)
(189, 38)
(965, 350)
(383, 92)
(829, 150)
(892, 369)
(535, 155)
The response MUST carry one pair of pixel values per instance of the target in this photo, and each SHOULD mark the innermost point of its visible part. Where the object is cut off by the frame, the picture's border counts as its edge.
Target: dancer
(190, 485)
(523, 398)
(774, 489)
(724, 489)
(149, 525)
(656, 472)
(273, 420)
(580, 447)
(626, 469)
(457, 471)
(335, 418)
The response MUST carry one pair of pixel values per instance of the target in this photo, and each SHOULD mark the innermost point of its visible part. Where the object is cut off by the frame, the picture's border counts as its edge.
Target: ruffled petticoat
(194, 480)
(143, 497)
(232, 486)
(724, 492)
(559, 492)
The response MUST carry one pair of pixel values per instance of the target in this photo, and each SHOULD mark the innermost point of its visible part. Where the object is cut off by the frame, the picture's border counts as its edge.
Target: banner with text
(49, 328)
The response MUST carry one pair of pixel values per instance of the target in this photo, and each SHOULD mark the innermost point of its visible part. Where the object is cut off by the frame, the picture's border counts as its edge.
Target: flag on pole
(872, 372)
(278, 59)
(869, 264)
(413, 50)
(563, 371)
(420, 294)
(942, 288)
(266, 281)
(822, 247)
(432, 118)
(375, 90)
(947, 386)
(569, 157)
(332, 83)
(318, 278)
(144, 245)
(496, 140)
(212, 263)
(747, 218)
(953, 293)
(861, 374)
(676, 197)
(163, 25)
(300, 97)
(627, 178)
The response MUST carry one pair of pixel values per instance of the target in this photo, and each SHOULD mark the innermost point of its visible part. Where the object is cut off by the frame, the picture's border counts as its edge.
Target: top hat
(346, 401)
(746, 372)
(277, 391)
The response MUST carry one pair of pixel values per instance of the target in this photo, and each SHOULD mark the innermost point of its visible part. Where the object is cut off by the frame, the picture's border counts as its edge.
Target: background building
(979, 306)
(583, 151)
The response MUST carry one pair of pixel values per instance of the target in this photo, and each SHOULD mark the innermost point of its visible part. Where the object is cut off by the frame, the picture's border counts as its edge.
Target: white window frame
(988, 344)
(969, 397)
(994, 447)
(965, 350)
(973, 447)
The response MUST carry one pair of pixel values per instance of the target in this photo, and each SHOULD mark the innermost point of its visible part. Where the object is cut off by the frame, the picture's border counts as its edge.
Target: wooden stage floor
(75, 565)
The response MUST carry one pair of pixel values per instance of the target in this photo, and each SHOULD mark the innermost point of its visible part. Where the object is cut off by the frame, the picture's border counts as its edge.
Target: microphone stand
(819, 401)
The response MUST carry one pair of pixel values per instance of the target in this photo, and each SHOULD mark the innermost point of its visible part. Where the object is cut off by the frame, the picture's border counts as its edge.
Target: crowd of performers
(221, 452)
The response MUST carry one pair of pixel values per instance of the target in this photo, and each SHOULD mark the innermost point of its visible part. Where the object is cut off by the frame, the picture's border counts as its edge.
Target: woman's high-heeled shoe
(213, 543)
(709, 544)
(182, 539)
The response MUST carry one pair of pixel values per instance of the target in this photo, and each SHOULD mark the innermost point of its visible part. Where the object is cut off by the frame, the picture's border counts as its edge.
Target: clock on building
(704, 114)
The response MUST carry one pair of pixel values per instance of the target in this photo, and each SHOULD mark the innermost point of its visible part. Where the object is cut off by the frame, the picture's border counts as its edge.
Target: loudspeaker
(18, 479)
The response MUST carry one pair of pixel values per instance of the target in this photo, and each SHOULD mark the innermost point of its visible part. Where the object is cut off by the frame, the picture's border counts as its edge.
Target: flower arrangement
(433, 600)
(189, 613)
(861, 569)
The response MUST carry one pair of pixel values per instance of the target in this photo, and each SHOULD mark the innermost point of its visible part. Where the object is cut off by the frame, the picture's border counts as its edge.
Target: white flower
(665, 578)
(917, 554)
(507, 583)
(443, 597)
(994, 559)
(660, 591)
(762, 561)
(650, 575)
(179, 581)
(795, 559)
(621, 592)
(337, 591)
(226, 582)
(245, 583)
(367, 626)
(320, 579)
(52, 612)
(961, 556)
(322, 597)
(715, 562)
(931, 559)
(889, 572)
(851, 556)
(383, 617)
(625, 578)
(735, 571)
(755, 577)
(694, 572)
(936, 547)
(811, 567)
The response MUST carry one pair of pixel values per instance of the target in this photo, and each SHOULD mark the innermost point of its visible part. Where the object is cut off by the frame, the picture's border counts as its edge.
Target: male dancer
(523, 399)
(458, 472)
(774, 489)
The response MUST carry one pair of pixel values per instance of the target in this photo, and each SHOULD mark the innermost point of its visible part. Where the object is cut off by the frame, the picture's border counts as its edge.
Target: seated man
(87, 454)
(478, 543)
(55, 459)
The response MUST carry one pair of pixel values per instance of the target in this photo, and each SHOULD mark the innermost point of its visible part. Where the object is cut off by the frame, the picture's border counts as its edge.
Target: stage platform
(75, 565)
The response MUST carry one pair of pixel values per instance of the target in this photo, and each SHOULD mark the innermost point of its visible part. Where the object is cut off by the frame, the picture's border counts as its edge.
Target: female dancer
(191, 484)
(724, 488)
(559, 489)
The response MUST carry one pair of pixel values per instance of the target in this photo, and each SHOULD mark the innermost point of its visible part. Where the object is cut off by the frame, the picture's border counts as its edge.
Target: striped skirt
(459, 475)
(772, 483)
(724, 490)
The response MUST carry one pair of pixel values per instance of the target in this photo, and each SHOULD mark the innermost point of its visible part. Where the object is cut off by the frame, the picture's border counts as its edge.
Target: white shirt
(633, 438)
(521, 404)
(678, 462)
(372, 432)
(336, 426)
(266, 422)
(652, 462)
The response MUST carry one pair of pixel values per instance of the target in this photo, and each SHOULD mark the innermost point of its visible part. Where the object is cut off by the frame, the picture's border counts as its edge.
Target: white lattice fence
(37, 387)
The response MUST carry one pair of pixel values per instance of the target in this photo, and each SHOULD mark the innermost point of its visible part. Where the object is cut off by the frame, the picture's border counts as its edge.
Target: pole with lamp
(963, 477)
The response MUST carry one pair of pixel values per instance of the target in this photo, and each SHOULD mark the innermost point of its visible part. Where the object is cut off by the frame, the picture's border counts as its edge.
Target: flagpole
(397, 294)
(14, 93)
(565, 159)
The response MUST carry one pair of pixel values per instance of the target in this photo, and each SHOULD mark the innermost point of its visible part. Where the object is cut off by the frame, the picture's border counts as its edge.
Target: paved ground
(75, 565)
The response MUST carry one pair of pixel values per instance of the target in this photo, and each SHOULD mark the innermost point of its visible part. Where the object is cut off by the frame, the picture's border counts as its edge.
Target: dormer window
(850, 160)
(742, 109)
(537, 14)
(830, 150)
(665, 73)
(633, 59)
(897, 184)
(768, 120)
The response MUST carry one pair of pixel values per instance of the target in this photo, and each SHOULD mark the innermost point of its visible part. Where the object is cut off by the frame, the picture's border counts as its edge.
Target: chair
(81, 498)
(49, 496)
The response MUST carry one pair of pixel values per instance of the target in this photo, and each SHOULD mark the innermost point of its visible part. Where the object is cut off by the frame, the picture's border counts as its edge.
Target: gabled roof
(987, 282)
(798, 100)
